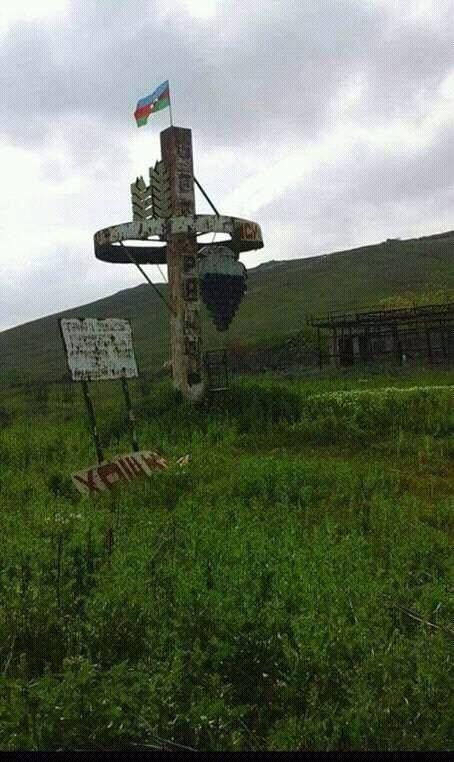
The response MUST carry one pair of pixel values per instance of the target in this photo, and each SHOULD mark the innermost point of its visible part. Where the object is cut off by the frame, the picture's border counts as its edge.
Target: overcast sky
(329, 122)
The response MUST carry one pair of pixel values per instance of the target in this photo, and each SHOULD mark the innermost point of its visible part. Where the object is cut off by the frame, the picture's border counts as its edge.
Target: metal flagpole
(170, 108)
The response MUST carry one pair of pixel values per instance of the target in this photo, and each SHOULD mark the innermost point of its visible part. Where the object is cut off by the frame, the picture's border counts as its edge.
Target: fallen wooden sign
(123, 468)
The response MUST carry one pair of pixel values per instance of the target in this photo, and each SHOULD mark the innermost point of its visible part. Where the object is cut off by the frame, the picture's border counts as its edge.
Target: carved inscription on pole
(185, 333)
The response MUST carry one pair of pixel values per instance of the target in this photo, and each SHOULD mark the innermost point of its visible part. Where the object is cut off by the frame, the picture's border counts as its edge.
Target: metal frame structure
(167, 226)
(245, 236)
(425, 334)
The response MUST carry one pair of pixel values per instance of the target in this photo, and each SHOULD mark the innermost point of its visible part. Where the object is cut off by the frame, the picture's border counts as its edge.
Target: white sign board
(99, 350)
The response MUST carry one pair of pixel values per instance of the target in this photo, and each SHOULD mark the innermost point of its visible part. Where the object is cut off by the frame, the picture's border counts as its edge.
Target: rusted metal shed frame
(378, 324)
(362, 318)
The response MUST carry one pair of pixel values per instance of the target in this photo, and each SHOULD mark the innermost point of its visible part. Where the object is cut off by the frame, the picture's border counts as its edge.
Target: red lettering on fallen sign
(85, 481)
(110, 474)
(249, 231)
(123, 468)
(131, 466)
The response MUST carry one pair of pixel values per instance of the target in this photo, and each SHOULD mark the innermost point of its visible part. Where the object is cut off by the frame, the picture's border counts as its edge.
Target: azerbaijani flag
(155, 102)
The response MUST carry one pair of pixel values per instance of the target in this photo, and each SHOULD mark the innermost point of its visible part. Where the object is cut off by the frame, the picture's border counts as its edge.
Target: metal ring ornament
(245, 236)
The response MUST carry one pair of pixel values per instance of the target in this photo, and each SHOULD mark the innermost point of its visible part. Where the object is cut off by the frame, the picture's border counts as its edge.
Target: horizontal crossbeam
(245, 236)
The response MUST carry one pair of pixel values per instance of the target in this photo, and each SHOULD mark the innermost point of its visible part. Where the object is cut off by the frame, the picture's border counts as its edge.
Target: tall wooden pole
(185, 319)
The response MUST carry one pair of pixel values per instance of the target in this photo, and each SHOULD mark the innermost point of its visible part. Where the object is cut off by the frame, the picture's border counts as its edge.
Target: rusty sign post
(102, 350)
(164, 212)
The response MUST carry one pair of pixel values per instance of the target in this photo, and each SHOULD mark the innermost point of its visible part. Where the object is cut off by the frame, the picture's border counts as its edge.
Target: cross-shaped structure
(165, 221)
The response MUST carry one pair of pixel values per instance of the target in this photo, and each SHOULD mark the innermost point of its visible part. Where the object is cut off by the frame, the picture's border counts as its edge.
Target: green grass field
(290, 588)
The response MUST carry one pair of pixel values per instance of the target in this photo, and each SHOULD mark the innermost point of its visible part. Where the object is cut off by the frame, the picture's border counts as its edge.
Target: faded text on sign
(98, 350)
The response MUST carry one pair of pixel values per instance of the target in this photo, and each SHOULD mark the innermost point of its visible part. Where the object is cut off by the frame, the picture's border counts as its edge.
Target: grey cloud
(376, 177)
(257, 74)
(368, 196)
(266, 71)
(67, 278)
(407, 69)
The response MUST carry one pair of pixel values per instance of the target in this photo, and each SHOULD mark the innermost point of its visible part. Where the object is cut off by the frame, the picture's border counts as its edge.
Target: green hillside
(280, 296)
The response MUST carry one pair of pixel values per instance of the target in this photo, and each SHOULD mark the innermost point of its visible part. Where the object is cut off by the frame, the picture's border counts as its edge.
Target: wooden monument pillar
(184, 288)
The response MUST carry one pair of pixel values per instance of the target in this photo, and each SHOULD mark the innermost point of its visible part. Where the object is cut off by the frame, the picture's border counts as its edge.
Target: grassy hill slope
(280, 295)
